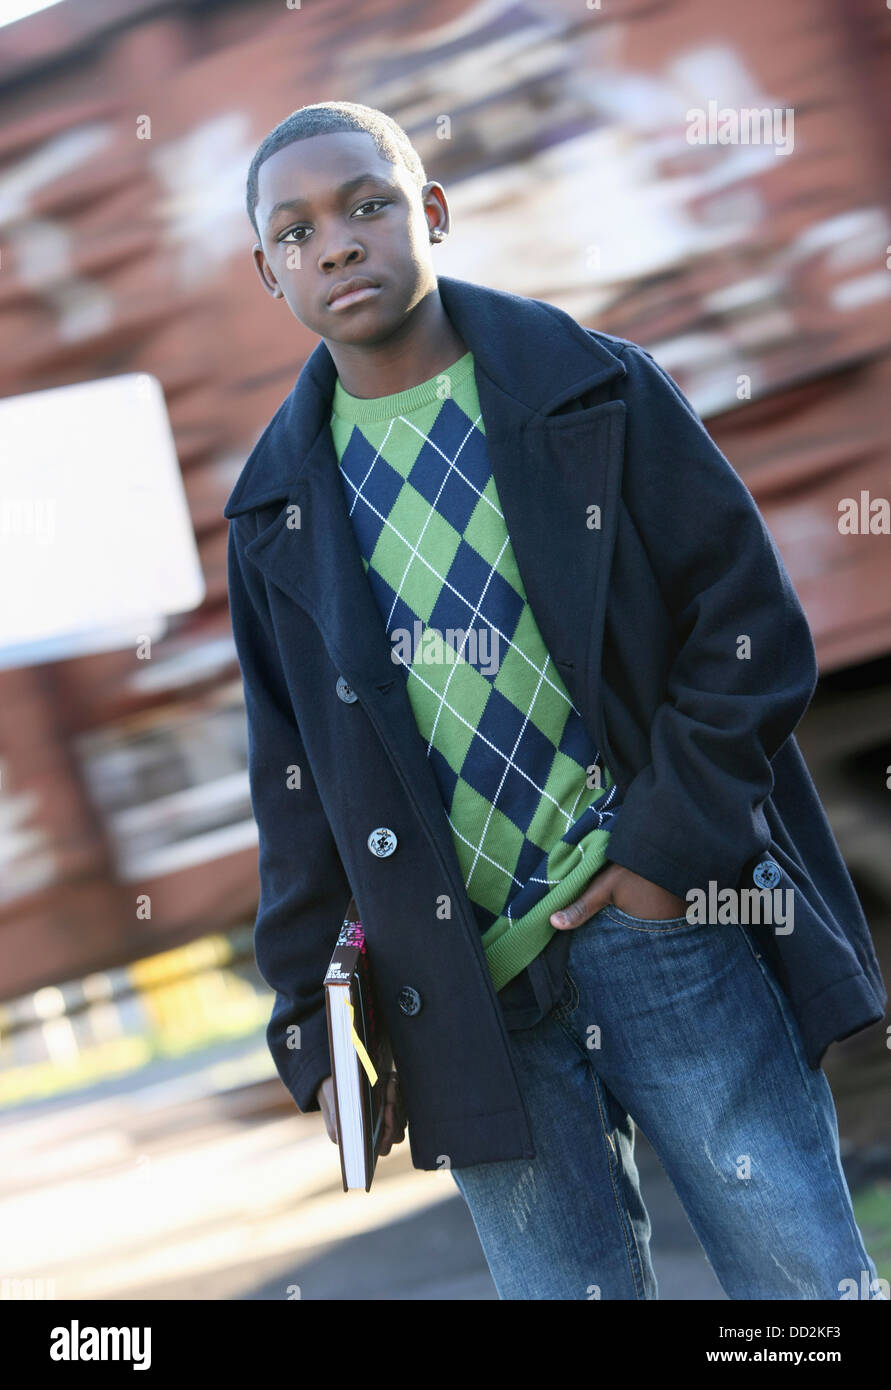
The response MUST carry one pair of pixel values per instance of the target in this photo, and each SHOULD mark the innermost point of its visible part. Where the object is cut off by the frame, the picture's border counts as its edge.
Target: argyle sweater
(527, 796)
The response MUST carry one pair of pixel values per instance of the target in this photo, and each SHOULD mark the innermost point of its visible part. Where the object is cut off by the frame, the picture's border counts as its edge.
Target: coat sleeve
(303, 887)
(694, 812)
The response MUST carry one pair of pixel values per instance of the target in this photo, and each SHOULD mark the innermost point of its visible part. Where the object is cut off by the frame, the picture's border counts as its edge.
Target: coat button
(346, 692)
(382, 841)
(766, 874)
(409, 1000)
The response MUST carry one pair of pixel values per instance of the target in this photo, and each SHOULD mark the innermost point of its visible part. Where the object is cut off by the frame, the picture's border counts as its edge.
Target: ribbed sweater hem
(510, 946)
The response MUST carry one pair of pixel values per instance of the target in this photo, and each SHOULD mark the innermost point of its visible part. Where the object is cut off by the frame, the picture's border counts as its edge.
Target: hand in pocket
(627, 891)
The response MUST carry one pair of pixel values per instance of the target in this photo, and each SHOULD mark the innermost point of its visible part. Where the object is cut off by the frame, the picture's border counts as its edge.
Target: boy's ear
(266, 277)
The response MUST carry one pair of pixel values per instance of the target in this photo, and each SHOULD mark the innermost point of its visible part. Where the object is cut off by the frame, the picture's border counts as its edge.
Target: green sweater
(527, 797)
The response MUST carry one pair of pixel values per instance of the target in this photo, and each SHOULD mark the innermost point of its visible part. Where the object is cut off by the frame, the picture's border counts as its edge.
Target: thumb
(595, 896)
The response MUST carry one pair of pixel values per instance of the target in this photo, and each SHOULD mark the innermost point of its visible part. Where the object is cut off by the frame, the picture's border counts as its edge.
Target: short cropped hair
(321, 118)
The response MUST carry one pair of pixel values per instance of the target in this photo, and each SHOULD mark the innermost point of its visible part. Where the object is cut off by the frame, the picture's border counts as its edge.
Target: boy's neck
(426, 343)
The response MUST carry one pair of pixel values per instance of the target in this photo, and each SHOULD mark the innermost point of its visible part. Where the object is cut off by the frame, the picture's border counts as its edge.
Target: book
(361, 1057)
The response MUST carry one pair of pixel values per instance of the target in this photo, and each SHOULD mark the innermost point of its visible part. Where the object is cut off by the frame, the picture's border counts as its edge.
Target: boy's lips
(351, 292)
(343, 301)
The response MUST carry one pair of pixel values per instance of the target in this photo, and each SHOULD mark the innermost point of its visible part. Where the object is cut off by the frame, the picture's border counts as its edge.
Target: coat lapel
(550, 469)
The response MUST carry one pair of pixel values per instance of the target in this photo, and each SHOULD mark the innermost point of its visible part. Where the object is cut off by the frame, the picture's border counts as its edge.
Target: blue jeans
(686, 1029)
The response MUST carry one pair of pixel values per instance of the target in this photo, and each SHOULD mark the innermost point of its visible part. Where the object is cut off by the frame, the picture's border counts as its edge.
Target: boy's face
(378, 227)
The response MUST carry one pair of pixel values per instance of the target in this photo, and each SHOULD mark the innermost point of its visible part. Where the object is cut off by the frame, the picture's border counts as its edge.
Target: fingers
(397, 1110)
(388, 1131)
(394, 1117)
(328, 1107)
(611, 883)
(392, 1125)
(584, 907)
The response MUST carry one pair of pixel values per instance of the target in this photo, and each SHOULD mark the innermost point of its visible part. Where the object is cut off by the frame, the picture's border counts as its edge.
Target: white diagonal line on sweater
(500, 867)
(358, 490)
(467, 632)
(433, 444)
(542, 791)
(449, 585)
(510, 762)
(445, 479)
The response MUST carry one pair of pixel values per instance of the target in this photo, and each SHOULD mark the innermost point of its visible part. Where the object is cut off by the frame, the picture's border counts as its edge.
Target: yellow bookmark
(358, 1043)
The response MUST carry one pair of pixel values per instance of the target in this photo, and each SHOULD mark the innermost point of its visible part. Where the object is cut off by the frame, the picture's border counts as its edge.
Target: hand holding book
(361, 1099)
(394, 1112)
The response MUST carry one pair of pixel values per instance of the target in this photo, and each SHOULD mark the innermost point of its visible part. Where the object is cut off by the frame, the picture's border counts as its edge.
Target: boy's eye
(369, 202)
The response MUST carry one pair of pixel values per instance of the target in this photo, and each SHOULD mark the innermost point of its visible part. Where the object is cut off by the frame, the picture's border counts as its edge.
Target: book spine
(344, 962)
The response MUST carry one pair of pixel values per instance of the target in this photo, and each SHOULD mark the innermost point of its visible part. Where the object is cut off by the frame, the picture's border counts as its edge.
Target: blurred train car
(755, 270)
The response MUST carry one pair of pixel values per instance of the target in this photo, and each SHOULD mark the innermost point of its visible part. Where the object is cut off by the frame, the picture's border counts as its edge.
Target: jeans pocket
(653, 924)
(569, 999)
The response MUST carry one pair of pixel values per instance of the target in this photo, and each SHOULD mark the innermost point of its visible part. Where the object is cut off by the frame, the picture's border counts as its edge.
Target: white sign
(96, 540)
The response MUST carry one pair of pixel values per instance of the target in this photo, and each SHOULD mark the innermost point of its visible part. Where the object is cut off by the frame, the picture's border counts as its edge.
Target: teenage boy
(522, 667)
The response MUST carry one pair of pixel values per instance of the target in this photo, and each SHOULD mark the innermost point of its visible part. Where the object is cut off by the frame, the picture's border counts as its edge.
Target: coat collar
(504, 331)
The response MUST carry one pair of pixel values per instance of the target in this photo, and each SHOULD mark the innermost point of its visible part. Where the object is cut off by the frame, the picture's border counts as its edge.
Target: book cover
(361, 1058)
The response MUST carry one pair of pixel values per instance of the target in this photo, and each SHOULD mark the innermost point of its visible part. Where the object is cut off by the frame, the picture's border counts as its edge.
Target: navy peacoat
(647, 564)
